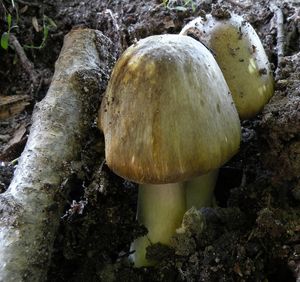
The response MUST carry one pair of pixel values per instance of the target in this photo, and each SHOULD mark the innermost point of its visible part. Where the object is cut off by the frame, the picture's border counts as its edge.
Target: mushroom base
(160, 210)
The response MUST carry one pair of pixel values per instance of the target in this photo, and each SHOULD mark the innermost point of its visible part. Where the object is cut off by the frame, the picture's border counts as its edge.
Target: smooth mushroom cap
(241, 57)
(168, 114)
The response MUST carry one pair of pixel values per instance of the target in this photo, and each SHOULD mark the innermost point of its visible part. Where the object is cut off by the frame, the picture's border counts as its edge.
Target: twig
(26, 63)
(295, 17)
(280, 45)
(116, 28)
(115, 31)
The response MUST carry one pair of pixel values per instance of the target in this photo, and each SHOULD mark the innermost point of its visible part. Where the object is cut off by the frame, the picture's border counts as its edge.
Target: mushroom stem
(160, 210)
(199, 191)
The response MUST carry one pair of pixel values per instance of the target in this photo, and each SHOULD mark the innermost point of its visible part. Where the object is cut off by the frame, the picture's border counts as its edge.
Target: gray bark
(31, 208)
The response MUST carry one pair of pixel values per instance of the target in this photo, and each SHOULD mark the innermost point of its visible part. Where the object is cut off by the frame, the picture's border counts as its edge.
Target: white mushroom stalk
(199, 191)
(160, 209)
(167, 117)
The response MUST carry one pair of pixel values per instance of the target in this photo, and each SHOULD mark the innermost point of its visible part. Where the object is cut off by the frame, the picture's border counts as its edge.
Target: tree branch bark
(30, 209)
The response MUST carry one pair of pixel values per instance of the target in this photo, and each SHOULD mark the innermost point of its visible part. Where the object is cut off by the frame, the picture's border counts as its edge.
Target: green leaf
(4, 40)
(50, 22)
(9, 20)
(45, 32)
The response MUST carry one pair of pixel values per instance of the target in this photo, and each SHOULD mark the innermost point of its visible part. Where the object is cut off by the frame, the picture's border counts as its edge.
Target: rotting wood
(30, 209)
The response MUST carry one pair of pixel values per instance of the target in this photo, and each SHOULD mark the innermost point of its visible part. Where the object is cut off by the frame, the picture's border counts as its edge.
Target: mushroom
(167, 116)
(241, 57)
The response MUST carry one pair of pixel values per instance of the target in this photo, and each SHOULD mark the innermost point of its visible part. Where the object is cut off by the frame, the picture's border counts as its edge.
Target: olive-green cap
(241, 57)
(168, 114)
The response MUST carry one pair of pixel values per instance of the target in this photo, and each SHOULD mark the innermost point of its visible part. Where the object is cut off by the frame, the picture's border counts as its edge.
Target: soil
(254, 234)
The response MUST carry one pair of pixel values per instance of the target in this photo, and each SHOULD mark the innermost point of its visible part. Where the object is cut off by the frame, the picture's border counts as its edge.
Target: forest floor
(253, 235)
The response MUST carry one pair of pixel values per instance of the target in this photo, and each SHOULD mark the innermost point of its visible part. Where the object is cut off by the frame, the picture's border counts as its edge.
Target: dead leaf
(237, 269)
(36, 24)
(169, 24)
(12, 105)
(14, 151)
(18, 135)
(24, 9)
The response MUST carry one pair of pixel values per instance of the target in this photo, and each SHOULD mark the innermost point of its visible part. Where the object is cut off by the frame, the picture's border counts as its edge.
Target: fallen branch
(30, 209)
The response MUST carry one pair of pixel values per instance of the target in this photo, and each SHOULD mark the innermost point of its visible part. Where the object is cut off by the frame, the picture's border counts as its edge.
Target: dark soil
(254, 235)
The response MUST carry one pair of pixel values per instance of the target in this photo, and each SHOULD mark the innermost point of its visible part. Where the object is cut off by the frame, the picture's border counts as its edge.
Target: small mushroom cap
(241, 57)
(167, 114)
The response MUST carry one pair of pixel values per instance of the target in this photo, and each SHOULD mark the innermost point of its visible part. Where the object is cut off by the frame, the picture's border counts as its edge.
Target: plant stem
(199, 191)
(160, 210)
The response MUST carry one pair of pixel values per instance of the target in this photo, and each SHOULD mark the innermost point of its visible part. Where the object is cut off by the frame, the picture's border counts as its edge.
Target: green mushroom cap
(168, 114)
(241, 57)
